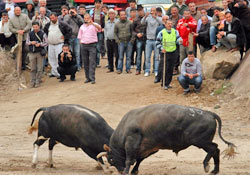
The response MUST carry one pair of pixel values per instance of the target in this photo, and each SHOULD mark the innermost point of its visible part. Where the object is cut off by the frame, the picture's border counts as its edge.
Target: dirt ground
(112, 96)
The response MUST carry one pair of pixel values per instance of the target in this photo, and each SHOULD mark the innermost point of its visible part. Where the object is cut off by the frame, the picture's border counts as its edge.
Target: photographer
(75, 21)
(36, 40)
(64, 12)
(67, 64)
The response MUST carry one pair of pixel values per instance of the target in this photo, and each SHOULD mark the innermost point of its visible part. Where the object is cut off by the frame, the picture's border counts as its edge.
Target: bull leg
(37, 144)
(52, 143)
(131, 146)
(136, 167)
(212, 151)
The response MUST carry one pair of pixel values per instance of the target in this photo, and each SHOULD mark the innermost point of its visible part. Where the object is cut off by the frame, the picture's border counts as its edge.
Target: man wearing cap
(180, 4)
(111, 44)
(210, 11)
(139, 31)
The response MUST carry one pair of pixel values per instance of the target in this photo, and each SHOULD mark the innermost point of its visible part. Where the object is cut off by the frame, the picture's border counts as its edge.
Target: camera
(65, 54)
(71, 13)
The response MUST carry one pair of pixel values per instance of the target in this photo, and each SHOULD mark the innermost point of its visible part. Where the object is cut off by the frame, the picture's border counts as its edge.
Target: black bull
(72, 125)
(142, 132)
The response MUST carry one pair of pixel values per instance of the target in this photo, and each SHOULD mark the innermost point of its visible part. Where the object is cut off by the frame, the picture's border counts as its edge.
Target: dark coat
(203, 38)
(238, 30)
(138, 27)
(67, 63)
(2, 8)
(243, 13)
(64, 28)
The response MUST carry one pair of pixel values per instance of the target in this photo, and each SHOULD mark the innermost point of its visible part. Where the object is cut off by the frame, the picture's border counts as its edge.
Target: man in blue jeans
(214, 29)
(191, 73)
(123, 37)
(139, 32)
(152, 22)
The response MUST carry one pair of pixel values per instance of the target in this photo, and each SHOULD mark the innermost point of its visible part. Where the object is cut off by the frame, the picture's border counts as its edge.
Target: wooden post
(19, 54)
(190, 42)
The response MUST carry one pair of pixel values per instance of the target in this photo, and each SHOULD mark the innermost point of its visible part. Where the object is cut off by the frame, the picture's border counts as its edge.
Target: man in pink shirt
(88, 39)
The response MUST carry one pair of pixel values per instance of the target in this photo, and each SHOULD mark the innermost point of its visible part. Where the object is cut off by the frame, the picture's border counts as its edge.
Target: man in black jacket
(233, 36)
(202, 37)
(67, 64)
(58, 33)
(240, 10)
(36, 40)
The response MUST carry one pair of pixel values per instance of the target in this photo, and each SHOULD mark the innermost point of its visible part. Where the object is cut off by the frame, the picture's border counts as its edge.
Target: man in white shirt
(8, 6)
(6, 37)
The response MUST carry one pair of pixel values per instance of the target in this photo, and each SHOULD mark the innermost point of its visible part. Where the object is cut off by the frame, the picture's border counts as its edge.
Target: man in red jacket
(187, 26)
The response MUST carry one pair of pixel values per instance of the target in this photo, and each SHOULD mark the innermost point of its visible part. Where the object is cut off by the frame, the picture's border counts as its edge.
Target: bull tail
(230, 151)
(35, 126)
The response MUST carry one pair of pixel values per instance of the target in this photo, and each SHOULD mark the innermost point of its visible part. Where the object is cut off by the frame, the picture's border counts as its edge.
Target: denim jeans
(185, 81)
(212, 33)
(100, 49)
(125, 48)
(140, 46)
(75, 47)
(151, 46)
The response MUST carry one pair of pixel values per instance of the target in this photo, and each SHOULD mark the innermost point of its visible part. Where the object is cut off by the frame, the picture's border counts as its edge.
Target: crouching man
(191, 73)
(67, 64)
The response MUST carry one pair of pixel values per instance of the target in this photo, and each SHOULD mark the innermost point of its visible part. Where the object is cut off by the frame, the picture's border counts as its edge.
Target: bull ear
(106, 148)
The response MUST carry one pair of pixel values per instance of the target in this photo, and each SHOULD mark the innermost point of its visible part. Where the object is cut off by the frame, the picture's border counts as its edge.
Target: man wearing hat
(111, 44)
(210, 11)
(139, 31)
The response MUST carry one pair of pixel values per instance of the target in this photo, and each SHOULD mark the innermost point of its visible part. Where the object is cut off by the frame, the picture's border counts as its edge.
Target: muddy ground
(112, 96)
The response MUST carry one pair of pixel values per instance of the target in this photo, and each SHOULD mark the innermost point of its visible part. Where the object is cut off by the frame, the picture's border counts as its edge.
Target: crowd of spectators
(78, 38)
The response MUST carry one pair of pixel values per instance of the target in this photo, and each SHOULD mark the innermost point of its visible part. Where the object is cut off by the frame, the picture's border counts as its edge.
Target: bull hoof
(33, 165)
(98, 167)
(207, 168)
(135, 173)
(214, 172)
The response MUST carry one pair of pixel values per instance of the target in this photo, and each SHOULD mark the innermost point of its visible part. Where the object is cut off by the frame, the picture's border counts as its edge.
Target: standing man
(36, 40)
(43, 3)
(98, 17)
(21, 28)
(132, 5)
(180, 4)
(75, 21)
(58, 33)
(185, 27)
(42, 19)
(7, 6)
(30, 9)
(111, 44)
(88, 39)
(166, 41)
(175, 17)
(139, 32)
(82, 10)
(152, 22)
(210, 11)
(123, 36)
(64, 12)
(194, 11)
(191, 73)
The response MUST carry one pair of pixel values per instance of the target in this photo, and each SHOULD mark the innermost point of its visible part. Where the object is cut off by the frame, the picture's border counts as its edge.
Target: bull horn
(101, 155)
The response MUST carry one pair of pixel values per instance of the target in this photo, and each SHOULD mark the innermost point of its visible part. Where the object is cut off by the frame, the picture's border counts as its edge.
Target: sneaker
(13, 49)
(93, 82)
(165, 87)
(129, 71)
(146, 74)
(156, 74)
(61, 80)
(119, 72)
(98, 66)
(37, 85)
(156, 80)
(197, 91)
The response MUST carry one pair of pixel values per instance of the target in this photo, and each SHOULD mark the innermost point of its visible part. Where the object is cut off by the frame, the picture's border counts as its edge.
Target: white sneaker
(146, 74)
(13, 49)
(156, 73)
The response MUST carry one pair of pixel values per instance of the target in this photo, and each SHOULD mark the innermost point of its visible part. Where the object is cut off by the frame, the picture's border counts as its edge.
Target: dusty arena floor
(112, 96)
